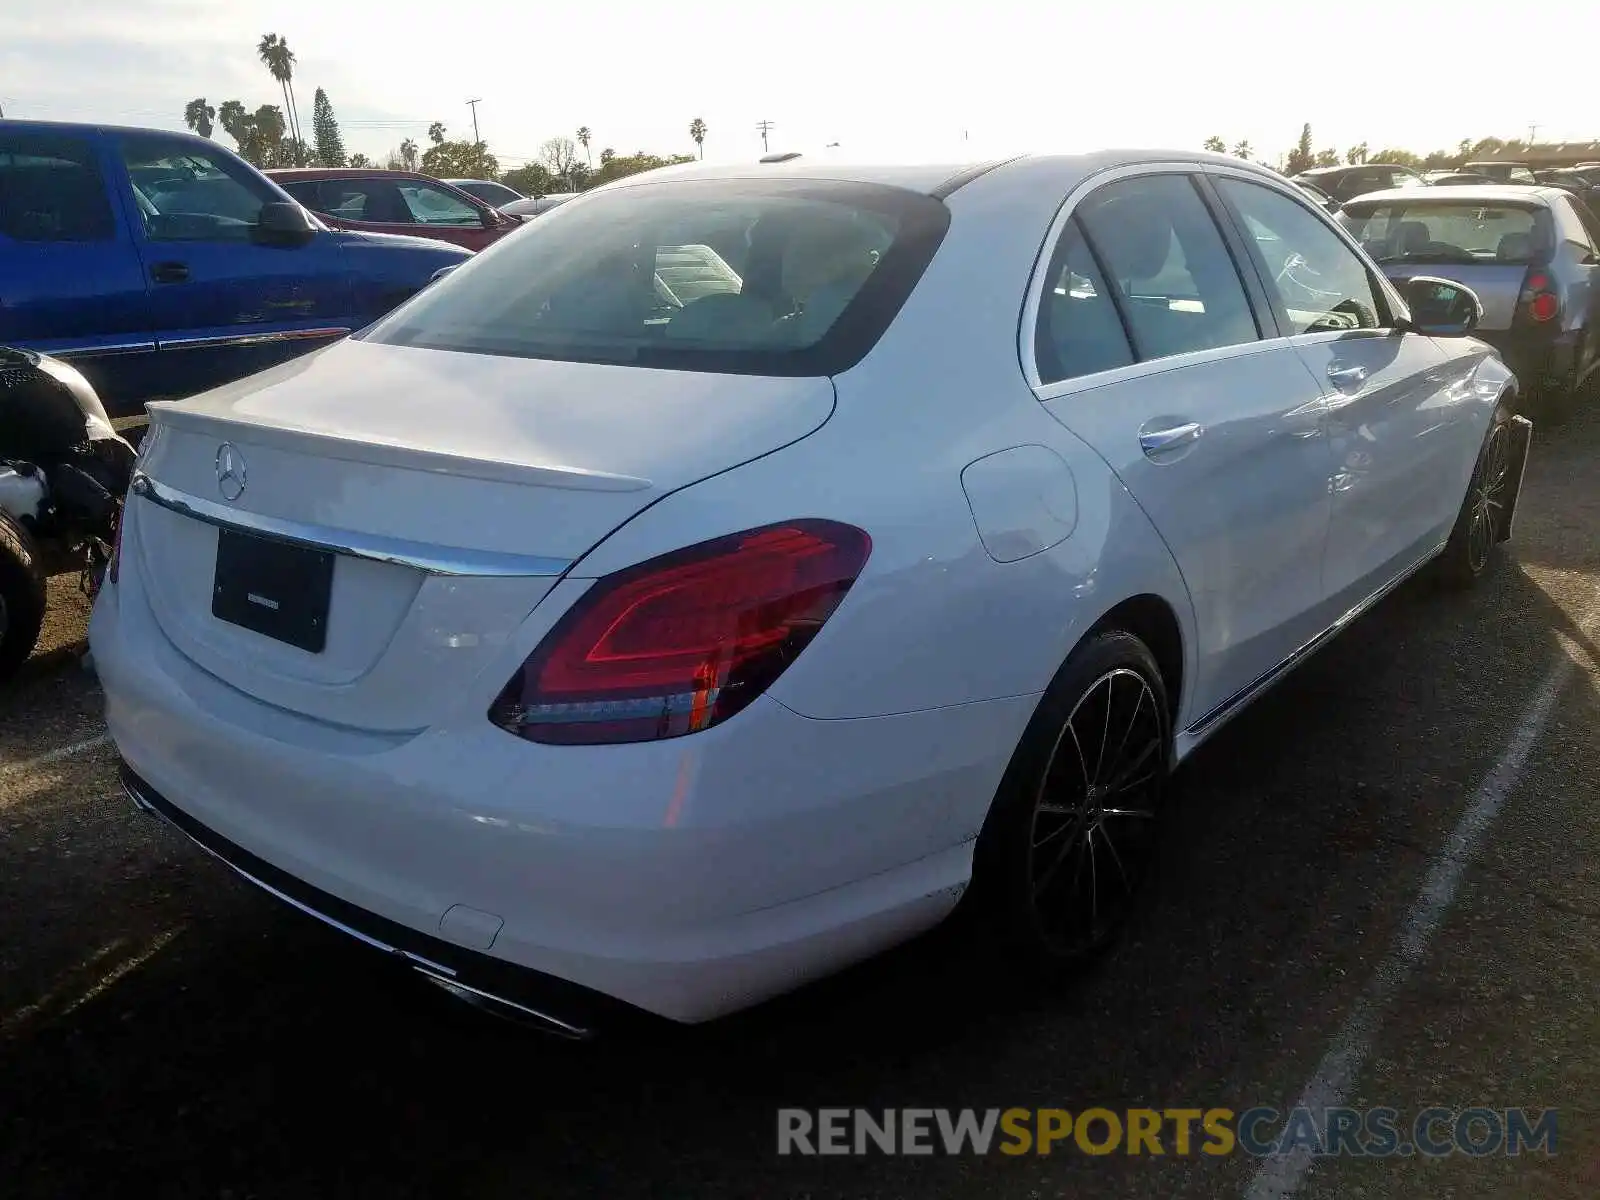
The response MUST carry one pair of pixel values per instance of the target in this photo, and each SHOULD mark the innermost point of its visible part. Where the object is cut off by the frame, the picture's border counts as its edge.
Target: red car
(395, 202)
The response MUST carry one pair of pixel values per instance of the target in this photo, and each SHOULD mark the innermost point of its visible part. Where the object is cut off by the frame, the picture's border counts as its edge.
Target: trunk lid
(453, 490)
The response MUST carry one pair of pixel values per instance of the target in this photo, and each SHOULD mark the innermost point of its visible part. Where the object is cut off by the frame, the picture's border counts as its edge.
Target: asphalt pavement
(1382, 889)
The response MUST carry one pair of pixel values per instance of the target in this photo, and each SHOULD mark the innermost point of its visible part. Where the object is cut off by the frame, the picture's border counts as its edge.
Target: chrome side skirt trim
(218, 341)
(436, 973)
(376, 547)
(1209, 723)
(146, 347)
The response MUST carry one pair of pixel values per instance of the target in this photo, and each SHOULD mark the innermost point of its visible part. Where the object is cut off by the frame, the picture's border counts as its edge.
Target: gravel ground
(167, 1031)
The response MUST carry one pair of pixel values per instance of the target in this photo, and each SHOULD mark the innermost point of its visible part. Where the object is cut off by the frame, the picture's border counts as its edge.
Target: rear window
(51, 191)
(769, 277)
(1450, 231)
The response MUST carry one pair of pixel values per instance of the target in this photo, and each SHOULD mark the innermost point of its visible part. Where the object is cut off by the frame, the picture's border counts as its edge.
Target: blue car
(160, 264)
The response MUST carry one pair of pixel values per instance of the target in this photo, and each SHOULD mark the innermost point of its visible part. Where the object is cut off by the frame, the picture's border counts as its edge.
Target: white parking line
(50, 756)
(1280, 1176)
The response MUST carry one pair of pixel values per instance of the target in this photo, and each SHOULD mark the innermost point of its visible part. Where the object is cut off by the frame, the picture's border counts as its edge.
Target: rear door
(223, 305)
(1400, 419)
(1147, 346)
(71, 283)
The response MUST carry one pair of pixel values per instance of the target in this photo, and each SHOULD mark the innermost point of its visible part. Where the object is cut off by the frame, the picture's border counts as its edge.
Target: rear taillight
(1539, 298)
(682, 642)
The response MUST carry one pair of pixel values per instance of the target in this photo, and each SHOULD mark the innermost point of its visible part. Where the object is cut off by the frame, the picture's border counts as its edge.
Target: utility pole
(1533, 132)
(473, 105)
(765, 127)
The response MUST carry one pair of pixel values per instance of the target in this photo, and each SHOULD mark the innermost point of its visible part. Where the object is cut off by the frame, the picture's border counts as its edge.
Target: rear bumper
(687, 878)
(1539, 362)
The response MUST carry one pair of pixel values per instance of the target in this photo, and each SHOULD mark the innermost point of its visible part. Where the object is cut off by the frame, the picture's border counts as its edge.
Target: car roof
(312, 173)
(459, 182)
(15, 125)
(934, 177)
(1498, 193)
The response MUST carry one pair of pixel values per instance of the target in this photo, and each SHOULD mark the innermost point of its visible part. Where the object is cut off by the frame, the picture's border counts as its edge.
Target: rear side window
(1078, 330)
(768, 277)
(1459, 232)
(1167, 265)
(51, 190)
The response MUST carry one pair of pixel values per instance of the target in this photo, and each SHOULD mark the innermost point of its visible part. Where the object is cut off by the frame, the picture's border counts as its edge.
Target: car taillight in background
(1539, 298)
(682, 642)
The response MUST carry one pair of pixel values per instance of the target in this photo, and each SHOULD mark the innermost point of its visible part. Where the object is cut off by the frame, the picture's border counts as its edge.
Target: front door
(397, 204)
(224, 305)
(1151, 350)
(71, 284)
(1401, 417)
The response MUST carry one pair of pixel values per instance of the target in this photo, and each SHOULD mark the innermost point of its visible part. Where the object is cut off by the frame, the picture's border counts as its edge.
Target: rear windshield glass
(768, 277)
(1450, 231)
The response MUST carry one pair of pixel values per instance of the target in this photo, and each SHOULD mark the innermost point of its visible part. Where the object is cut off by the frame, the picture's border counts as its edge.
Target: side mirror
(283, 223)
(1440, 307)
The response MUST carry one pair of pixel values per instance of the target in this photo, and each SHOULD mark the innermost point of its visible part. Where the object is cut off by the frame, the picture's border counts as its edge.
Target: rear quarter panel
(934, 620)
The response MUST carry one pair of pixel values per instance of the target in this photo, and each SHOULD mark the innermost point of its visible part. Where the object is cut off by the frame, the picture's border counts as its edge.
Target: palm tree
(276, 56)
(583, 140)
(408, 154)
(697, 130)
(200, 116)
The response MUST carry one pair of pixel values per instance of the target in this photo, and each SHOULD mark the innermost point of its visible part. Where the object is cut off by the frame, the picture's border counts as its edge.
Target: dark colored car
(403, 202)
(487, 190)
(1346, 183)
(160, 264)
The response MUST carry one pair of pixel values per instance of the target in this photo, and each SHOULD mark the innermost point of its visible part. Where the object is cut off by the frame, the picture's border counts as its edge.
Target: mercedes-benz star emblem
(230, 472)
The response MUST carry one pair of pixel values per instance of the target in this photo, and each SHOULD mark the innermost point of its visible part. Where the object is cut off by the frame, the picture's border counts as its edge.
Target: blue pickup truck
(159, 264)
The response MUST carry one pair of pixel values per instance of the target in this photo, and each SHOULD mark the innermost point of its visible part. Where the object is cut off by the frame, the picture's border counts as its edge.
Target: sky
(873, 76)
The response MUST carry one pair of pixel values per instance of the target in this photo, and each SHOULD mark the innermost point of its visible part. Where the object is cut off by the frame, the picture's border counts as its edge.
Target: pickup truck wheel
(21, 596)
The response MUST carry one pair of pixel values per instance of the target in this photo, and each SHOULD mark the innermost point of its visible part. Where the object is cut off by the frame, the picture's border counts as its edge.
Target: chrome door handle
(1343, 377)
(1159, 441)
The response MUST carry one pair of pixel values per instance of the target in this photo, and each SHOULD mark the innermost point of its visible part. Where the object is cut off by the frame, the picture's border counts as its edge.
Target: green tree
(697, 131)
(259, 135)
(583, 140)
(360, 160)
(1356, 155)
(1327, 158)
(607, 155)
(408, 154)
(619, 167)
(457, 158)
(1397, 157)
(325, 128)
(1242, 149)
(1216, 145)
(200, 116)
(531, 179)
(279, 60)
(1302, 157)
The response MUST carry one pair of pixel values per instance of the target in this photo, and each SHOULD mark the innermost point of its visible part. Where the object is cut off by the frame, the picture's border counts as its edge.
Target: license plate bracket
(278, 589)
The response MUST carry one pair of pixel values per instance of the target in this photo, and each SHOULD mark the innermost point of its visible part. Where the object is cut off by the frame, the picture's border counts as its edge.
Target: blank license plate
(275, 588)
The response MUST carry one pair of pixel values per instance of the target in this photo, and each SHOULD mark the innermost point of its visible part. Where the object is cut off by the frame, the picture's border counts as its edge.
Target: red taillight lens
(684, 641)
(1538, 299)
(1544, 306)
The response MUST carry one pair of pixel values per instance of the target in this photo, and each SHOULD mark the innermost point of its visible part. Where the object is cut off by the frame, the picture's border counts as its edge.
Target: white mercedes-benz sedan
(718, 580)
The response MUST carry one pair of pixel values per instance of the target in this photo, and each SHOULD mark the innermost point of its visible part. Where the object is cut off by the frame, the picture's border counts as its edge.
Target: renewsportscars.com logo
(1261, 1131)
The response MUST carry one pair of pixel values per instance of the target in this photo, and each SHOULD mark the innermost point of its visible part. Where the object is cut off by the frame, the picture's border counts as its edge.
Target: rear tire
(1471, 551)
(1066, 852)
(22, 596)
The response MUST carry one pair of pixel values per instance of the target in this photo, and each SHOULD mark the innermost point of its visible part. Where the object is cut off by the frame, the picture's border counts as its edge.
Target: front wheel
(1485, 510)
(22, 596)
(1069, 842)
